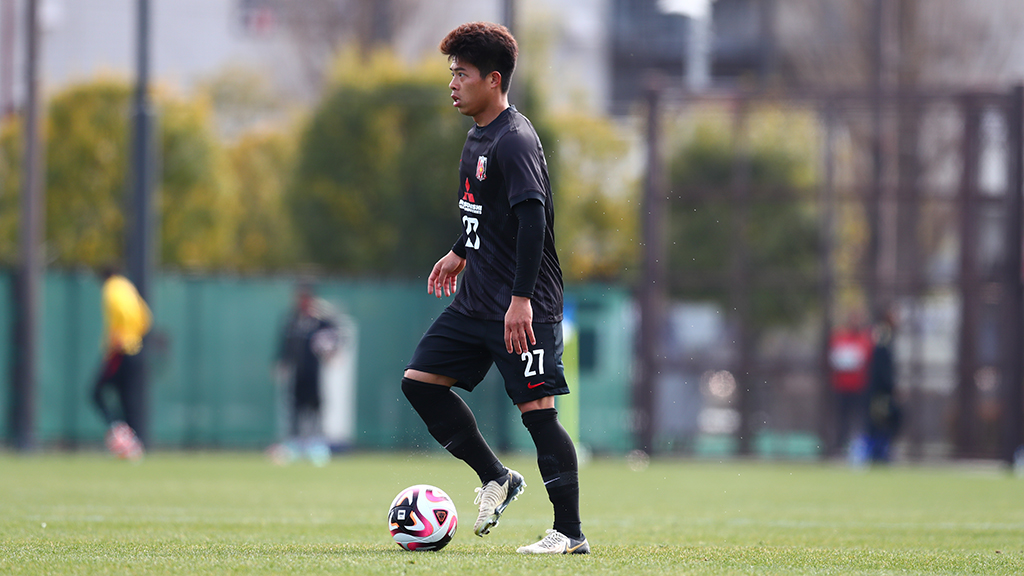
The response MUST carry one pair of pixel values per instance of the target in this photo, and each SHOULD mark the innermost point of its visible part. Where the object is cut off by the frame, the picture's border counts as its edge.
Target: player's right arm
(443, 277)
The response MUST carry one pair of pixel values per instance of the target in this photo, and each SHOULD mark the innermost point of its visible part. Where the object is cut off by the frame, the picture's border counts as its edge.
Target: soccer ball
(422, 518)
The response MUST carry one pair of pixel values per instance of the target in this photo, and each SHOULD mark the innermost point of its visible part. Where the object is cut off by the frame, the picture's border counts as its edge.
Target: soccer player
(508, 309)
(127, 319)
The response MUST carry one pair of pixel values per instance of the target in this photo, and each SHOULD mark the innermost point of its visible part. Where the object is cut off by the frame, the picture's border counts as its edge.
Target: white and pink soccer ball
(422, 518)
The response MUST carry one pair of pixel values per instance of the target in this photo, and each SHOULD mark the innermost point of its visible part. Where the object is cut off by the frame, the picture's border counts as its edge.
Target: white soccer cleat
(493, 498)
(557, 543)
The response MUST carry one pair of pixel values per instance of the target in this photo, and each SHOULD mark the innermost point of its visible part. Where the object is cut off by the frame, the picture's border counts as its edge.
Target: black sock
(556, 458)
(453, 425)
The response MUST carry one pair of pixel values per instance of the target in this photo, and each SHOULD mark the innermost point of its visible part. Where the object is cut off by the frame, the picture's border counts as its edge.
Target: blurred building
(589, 54)
(192, 40)
(592, 54)
(647, 36)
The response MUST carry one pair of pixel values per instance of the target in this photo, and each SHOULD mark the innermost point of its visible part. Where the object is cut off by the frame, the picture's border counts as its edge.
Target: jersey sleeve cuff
(459, 248)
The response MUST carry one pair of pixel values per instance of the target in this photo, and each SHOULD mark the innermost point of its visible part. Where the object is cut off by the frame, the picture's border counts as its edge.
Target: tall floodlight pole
(508, 14)
(508, 18)
(1013, 380)
(7, 31)
(872, 284)
(31, 265)
(651, 293)
(139, 240)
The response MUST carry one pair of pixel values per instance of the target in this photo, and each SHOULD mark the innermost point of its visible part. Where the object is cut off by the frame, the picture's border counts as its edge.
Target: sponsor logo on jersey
(481, 168)
(468, 202)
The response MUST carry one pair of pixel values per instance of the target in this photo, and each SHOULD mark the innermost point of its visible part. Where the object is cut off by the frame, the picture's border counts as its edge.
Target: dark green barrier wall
(211, 352)
(6, 349)
(69, 358)
(605, 322)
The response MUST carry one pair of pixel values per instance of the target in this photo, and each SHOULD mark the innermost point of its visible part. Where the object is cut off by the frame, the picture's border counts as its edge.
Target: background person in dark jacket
(310, 336)
(883, 419)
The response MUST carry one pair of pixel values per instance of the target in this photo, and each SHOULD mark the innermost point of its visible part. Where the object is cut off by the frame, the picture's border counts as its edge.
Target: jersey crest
(481, 168)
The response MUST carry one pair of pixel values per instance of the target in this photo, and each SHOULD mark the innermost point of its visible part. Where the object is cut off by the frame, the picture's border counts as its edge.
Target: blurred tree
(86, 162)
(375, 187)
(198, 194)
(596, 216)
(242, 100)
(781, 235)
(262, 161)
(10, 187)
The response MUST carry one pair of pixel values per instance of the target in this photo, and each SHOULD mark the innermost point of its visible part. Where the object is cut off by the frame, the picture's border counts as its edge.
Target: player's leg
(559, 468)
(120, 438)
(450, 421)
(311, 442)
(126, 387)
(111, 364)
(532, 380)
(286, 449)
(450, 354)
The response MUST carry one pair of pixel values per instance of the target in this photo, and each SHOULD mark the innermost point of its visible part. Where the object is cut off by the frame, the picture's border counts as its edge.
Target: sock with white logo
(556, 458)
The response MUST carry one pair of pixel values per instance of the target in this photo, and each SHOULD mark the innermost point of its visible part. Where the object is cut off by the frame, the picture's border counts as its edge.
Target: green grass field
(183, 513)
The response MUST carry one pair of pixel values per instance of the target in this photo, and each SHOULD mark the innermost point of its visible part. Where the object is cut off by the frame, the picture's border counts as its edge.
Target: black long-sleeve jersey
(502, 165)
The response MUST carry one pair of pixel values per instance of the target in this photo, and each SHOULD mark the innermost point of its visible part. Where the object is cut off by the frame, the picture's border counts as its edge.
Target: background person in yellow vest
(126, 319)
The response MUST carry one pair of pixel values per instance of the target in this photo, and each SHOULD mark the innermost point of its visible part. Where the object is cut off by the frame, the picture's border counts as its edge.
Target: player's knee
(427, 378)
(417, 392)
(541, 416)
(546, 403)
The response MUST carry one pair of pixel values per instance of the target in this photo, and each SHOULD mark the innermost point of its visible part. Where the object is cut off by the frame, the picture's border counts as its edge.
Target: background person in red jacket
(849, 359)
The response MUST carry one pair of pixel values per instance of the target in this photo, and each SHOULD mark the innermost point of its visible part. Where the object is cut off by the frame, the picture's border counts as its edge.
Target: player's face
(470, 91)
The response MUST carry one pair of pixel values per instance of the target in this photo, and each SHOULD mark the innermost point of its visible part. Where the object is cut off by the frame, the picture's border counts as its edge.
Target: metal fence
(934, 181)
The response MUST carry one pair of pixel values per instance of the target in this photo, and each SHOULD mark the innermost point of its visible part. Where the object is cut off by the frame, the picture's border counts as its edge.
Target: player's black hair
(489, 47)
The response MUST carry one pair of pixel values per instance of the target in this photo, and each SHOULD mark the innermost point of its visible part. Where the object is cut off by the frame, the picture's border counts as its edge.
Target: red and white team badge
(481, 168)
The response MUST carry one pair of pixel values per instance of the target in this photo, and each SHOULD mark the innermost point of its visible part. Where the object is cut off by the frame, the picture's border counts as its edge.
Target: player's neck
(497, 106)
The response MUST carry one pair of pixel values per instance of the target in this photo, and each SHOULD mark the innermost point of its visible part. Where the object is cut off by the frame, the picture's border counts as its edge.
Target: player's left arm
(523, 166)
(519, 334)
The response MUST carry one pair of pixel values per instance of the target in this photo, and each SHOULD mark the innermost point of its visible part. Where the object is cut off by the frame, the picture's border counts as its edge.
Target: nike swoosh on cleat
(574, 548)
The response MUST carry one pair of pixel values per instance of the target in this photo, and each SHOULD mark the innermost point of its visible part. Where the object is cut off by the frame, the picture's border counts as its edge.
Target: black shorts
(464, 348)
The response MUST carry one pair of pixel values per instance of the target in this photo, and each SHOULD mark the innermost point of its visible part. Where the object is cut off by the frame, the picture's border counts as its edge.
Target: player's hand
(519, 326)
(443, 277)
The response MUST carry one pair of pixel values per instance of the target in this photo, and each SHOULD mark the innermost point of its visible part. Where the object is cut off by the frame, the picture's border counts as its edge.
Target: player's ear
(495, 79)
